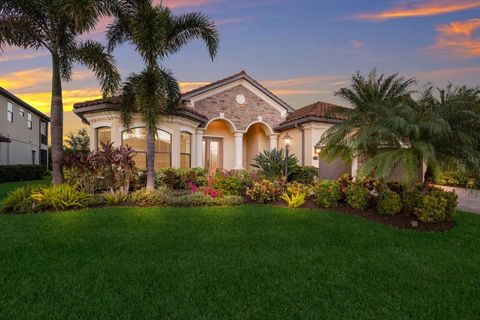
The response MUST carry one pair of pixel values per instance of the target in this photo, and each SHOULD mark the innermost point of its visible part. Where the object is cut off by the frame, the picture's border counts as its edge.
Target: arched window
(104, 135)
(185, 150)
(137, 139)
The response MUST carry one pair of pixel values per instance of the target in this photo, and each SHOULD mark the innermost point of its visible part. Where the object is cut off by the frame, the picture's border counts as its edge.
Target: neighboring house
(223, 125)
(23, 132)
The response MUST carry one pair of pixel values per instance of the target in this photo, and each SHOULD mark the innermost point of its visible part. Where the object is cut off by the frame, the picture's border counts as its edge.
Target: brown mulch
(401, 221)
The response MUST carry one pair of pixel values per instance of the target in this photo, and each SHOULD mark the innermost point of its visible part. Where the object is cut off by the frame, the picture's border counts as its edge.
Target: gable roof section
(239, 76)
(10, 96)
(315, 112)
(114, 104)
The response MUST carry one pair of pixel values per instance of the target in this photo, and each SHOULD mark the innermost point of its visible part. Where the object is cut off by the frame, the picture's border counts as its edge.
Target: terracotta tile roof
(318, 109)
(115, 100)
(114, 103)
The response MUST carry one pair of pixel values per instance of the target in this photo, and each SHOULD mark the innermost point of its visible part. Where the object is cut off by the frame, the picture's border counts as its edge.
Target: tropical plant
(77, 142)
(306, 174)
(271, 164)
(55, 26)
(357, 196)
(327, 193)
(264, 191)
(232, 182)
(457, 146)
(20, 200)
(115, 197)
(156, 33)
(385, 126)
(389, 203)
(61, 197)
(293, 200)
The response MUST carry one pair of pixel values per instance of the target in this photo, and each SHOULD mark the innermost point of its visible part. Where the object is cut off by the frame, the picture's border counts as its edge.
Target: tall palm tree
(458, 146)
(155, 33)
(55, 26)
(385, 125)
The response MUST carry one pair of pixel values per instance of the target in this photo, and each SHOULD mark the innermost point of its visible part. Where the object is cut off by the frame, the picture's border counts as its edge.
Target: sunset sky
(302, 50)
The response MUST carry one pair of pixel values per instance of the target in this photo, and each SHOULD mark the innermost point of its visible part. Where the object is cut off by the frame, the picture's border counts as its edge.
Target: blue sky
(302, 50)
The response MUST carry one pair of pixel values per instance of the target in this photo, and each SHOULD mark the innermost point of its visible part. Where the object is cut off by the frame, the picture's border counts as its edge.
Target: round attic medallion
(240, 98)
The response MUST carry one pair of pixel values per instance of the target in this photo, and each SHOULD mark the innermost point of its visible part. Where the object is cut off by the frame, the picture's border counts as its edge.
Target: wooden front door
(212, 155)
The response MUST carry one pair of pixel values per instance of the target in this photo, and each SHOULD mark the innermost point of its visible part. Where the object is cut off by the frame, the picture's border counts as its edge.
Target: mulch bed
(402, 221)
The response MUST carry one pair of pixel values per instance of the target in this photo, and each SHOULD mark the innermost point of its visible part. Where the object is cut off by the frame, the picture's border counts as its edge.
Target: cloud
(458, 39)
(356, 44)
(42, 100)
(302, 81)
(18, 55)
(189, 86)
(31, 78)
(423, 8)
(448, 74)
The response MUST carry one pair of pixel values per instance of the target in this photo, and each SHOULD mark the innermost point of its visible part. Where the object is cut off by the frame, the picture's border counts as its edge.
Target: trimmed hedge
(22, 172)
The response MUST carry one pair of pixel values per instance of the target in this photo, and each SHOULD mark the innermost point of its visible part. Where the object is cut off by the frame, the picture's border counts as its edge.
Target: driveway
(467, 200)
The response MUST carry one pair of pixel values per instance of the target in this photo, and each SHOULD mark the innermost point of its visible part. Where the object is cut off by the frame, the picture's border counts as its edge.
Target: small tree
(77, 142)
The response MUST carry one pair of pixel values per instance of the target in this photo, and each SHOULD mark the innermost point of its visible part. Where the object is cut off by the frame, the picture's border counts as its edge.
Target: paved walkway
(467, 200)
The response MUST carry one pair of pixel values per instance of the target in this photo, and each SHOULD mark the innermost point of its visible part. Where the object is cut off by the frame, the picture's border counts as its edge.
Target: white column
(199, 148)
(238, 150)
(93, 138)
(354, 167)
(273, 141)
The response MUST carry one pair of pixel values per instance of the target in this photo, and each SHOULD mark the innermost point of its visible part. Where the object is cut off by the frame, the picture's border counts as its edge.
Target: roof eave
(296, 123)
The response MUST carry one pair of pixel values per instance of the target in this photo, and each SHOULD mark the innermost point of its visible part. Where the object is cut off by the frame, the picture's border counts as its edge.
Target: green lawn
(248, 262)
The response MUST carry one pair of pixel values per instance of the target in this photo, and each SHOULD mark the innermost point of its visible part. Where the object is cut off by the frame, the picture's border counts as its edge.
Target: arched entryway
(255, 140)
(218, 145)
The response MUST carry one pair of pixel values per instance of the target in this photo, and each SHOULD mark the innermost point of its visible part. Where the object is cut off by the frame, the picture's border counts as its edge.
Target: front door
(212, 155)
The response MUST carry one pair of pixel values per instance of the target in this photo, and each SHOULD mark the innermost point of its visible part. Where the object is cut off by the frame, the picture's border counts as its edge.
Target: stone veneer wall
(240, 114)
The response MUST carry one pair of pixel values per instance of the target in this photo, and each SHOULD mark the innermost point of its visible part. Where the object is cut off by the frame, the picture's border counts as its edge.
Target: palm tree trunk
(56, 115)
(150, 161)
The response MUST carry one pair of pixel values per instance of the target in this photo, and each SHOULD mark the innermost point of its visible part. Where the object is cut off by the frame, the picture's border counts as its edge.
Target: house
(223, 125)
(23, 132)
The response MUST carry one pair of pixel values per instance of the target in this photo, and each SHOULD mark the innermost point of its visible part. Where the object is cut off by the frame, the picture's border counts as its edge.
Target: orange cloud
(26, 79)
(425, 8)
(448, 74)
(42, 100)
(457, 39)
(17, 55)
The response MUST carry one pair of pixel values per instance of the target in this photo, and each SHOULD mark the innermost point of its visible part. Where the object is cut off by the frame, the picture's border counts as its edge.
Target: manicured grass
(247, 262)
(9, 186)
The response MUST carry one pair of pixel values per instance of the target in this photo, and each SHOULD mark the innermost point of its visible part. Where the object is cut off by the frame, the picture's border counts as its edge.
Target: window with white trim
(9, 111)
(185, 150)
(29, 121)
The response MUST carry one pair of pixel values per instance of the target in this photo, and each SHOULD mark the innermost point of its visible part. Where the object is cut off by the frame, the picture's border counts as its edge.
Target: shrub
(109, 169)
(61, 197)
(295, 200)
(192, 200)
(271, 164)
(297, 187)
(22, 172)
(115, 197)
(20, 200)
(431, 208)
(306, 175)
(357, 196)
(232, 182)
(450, 196)
(181, 178)
(264, 191)
(410, 201)
(344, 181)
(209, 191)
(327, 193)
(389, 203)
(229, 200)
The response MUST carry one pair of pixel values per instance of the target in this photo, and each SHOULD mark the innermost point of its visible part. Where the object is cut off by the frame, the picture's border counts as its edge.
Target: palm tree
(55, 25)
(458, 146)
(385, 125)
(155, 33)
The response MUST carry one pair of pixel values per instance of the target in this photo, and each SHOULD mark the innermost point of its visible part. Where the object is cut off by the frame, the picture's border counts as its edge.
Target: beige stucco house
(23, 132)
(223, 125)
